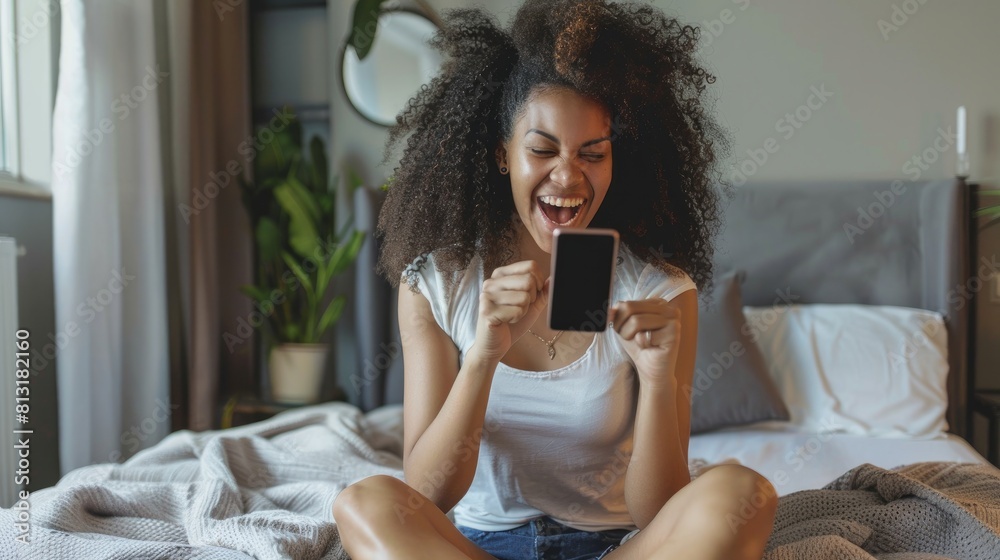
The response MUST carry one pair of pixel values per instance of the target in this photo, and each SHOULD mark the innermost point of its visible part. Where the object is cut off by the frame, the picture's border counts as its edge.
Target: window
(8, 91)
(29, 53)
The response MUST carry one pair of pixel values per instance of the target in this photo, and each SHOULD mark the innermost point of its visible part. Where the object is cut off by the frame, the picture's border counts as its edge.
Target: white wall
(892, 90)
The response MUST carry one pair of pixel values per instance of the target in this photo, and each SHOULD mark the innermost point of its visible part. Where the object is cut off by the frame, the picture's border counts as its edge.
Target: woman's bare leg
(727, 513)
(382, 518)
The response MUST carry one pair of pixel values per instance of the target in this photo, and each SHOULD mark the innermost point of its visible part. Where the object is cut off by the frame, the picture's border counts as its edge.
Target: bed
(266, 490)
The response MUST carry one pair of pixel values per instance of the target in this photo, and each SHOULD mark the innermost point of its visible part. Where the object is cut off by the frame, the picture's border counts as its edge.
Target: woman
(553, 444)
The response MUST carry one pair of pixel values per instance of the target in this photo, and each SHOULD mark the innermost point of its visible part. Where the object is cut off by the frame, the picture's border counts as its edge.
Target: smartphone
(583, 267)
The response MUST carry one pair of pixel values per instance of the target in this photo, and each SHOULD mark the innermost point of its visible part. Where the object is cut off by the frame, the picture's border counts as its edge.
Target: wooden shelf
(245, 409)
(271, 5)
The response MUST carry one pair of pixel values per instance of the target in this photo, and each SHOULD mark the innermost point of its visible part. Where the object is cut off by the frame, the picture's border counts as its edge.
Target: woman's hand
(510, 302)
(654, 354)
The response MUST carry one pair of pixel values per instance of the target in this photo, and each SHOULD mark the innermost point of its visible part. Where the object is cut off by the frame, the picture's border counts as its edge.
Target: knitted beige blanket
(923, 511)
(263, 491)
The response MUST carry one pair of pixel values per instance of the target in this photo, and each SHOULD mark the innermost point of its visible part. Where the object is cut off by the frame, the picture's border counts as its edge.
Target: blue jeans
(543, 538)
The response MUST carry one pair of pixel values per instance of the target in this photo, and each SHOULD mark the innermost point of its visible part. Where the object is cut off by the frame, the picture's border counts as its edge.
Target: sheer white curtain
(109, 187)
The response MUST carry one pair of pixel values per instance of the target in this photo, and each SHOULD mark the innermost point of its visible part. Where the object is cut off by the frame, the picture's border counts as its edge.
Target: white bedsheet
(794, 460)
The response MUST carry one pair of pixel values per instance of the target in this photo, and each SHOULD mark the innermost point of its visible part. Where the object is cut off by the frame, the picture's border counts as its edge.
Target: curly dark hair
(447, 194)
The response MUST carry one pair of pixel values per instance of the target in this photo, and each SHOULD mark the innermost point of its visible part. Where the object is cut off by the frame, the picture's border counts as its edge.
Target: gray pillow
(731, 385)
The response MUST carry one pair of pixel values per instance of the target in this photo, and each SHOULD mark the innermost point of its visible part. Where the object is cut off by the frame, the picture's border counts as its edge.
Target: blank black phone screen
(581, 282)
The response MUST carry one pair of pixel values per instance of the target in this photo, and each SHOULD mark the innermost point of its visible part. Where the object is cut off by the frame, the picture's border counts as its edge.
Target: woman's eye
(592, 157)
(539, 152)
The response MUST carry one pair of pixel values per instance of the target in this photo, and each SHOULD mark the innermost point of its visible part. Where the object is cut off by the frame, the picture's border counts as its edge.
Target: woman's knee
(368, 496)
(751, 497)
(739, 487)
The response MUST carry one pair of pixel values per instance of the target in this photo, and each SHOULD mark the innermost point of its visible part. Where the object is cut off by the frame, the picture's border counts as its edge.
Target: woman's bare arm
(660, 337)
(444, 405)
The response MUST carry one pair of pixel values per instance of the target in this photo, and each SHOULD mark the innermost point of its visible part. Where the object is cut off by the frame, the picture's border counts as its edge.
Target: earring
(503, 170)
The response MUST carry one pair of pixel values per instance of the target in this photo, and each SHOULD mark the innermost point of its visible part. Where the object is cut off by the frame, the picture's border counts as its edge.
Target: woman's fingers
(529, 268)
(520, 283)
(499, 314)
(640, 323)
(632, 318)
(512, 297)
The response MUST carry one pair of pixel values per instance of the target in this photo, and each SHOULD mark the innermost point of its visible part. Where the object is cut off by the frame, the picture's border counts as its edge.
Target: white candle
(961, 129)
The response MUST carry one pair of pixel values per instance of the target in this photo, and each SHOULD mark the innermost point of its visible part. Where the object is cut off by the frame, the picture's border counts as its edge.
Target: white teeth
(563, 202)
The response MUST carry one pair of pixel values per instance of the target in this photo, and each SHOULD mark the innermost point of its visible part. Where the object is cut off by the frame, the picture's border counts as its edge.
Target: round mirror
(400, 61)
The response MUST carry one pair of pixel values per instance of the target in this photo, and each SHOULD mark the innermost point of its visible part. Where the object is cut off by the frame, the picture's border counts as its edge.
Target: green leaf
(303, 236)
(291, 333)
(255, 292)
(274, 156)
(326, 202)
(347, 227)
(307, 284)
(320, 172)
(989, 211)
(346, 253)
(293, 130)
(268, 238)
(331, 315)
(354, 182)
(306, 198)
(363, 29)
(989, 222)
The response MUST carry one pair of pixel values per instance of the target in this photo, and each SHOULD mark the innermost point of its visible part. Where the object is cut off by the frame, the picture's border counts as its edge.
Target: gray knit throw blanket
(923, 511)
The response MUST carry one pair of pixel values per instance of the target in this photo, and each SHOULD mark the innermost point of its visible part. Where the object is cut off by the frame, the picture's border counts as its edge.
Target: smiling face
(559, 160)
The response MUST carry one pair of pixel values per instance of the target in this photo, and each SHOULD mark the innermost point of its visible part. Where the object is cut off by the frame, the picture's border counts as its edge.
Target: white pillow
(861, 369)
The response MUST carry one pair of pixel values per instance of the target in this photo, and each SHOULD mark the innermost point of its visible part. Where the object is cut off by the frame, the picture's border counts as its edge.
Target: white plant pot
(297, 372)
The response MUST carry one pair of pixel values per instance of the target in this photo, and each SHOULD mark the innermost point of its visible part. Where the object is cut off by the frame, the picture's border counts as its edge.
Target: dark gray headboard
(878, 243)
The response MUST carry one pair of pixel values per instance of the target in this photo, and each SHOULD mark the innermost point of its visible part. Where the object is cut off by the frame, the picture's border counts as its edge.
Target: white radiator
(8, 330)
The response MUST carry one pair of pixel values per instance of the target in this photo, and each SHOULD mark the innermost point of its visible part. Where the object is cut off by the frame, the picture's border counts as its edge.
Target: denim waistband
(545, 526)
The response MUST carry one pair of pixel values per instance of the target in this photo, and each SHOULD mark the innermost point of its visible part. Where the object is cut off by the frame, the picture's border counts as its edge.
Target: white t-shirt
(557, 442)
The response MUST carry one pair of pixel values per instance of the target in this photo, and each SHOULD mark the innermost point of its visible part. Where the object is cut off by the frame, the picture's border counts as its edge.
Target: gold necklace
(552, 350)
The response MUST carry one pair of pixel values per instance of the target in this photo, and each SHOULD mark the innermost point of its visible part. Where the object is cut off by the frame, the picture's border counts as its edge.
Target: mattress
(794, 460)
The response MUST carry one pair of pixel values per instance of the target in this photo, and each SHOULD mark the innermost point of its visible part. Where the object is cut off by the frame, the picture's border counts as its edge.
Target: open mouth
(561, 211)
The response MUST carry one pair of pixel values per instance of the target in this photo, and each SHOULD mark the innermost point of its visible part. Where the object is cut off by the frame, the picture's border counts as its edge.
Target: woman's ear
(501, 155)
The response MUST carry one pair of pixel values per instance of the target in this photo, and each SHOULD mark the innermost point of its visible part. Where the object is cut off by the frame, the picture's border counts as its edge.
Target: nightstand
(245, 408)
(987, 403)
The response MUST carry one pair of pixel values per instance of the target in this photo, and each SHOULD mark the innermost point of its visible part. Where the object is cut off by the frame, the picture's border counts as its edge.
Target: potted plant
(298, 251)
